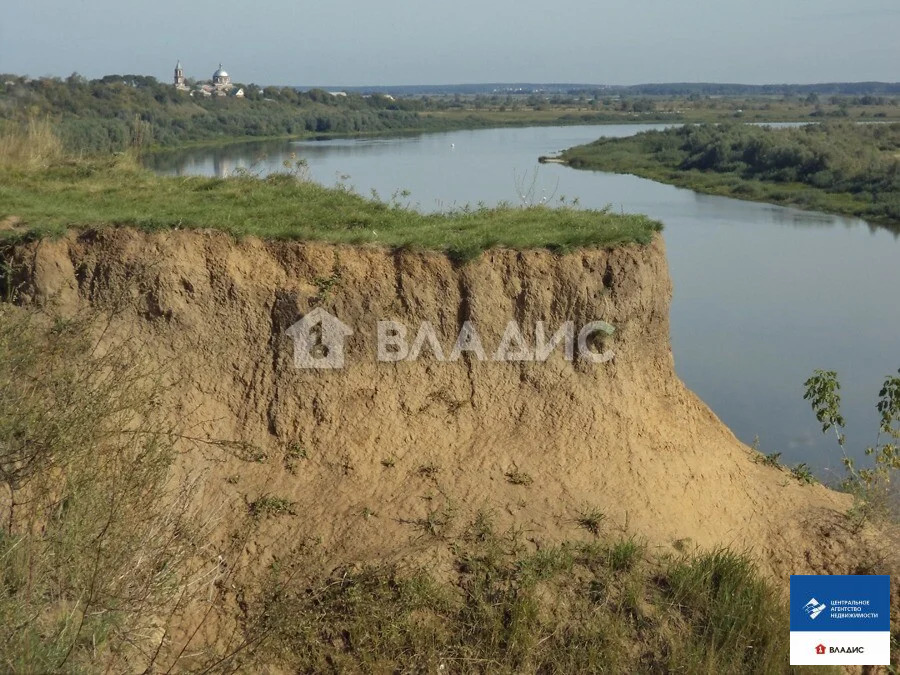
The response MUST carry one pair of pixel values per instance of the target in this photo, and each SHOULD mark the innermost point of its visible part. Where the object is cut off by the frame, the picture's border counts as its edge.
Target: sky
(391, 42)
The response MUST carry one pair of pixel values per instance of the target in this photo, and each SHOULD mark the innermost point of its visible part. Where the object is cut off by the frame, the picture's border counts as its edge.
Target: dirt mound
(373, 459)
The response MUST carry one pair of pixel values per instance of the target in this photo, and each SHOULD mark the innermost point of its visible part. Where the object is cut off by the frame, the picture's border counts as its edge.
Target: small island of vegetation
(839, 167)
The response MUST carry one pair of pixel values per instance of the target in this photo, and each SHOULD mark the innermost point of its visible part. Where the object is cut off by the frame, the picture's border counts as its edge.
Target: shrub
(870, 487)
(98, 546)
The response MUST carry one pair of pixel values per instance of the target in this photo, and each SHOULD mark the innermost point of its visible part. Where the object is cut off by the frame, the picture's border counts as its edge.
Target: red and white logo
(820, 649)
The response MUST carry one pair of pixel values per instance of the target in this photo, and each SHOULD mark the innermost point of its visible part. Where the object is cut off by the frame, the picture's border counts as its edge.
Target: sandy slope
(625, 437)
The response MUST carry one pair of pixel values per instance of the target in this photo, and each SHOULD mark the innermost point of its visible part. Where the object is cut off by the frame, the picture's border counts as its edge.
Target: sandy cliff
(374, 453)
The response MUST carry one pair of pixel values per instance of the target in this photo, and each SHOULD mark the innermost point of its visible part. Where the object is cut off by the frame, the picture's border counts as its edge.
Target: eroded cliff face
(378, 457)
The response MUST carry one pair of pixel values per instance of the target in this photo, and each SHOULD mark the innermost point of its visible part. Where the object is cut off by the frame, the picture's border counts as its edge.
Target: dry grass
(575, 608)
(100, 546)
(33, 146)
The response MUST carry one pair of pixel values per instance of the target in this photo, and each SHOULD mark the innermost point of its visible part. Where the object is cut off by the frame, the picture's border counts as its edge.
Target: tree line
(115, 112)
(856, 162)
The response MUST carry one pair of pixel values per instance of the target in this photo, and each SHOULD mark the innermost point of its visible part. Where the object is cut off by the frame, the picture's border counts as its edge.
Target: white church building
(219, 85)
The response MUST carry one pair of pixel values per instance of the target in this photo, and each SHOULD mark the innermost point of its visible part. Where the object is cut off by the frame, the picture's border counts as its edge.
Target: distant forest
(119, 111)
(116, 112)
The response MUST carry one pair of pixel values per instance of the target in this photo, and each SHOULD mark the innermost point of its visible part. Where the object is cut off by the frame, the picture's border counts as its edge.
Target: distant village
(219, 85)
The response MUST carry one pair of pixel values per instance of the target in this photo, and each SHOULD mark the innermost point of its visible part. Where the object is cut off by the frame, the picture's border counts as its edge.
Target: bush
(98, 547)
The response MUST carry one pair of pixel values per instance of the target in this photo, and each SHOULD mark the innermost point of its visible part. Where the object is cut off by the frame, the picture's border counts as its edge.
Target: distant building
(221, 80)
(219, 85)
(180, 82)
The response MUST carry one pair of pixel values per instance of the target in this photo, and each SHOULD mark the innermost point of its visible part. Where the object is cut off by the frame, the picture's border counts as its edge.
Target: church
(219, 85)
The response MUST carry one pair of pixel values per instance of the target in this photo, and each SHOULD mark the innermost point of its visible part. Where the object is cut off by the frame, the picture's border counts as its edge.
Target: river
(763, 294)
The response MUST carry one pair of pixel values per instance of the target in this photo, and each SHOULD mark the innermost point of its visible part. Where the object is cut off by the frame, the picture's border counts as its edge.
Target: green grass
(271, 506)
(598, 607)
(96, 194)
(729, 609)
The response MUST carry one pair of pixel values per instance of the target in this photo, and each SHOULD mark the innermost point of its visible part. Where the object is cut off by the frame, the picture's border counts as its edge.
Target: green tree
(869, 486)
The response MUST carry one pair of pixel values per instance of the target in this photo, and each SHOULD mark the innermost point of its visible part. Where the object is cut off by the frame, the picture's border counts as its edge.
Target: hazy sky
(368, 42)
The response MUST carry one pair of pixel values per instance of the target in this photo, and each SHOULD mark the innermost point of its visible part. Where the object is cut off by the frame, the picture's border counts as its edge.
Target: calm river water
(763, 294)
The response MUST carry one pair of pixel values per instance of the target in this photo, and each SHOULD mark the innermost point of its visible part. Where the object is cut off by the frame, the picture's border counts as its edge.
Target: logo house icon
(319, 340)
(820, 649)
(813, 608)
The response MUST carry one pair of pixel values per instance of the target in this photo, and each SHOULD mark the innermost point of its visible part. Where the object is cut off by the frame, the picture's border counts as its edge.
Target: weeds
(99, 543)
(772, 459)
(803, 474)
(326, 284)
(35, 146)
(296, 451)
(736, 618)
(293, 454)
(433, 522)
(517, 477)
(555, 610)
(625, 554)
(591, 520)
(271, 506)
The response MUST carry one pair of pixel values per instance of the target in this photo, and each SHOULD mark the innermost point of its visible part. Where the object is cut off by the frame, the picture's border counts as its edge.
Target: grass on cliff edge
(48, 200)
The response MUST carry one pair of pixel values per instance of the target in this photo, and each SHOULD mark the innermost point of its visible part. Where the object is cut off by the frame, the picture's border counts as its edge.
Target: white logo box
(876, 648)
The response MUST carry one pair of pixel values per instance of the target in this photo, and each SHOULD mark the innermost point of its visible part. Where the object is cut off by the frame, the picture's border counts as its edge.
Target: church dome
(220, 72)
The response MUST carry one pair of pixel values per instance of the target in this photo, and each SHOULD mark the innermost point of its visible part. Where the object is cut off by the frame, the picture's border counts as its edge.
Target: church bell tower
(179, 76)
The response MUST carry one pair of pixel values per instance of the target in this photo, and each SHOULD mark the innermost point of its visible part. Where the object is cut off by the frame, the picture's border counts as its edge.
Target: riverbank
(385, 515)
(464, 119)
(844, 168)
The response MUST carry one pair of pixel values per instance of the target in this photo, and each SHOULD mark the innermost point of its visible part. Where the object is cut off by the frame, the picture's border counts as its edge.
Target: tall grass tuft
(99, 544)
(737, 621)
(31, 145)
